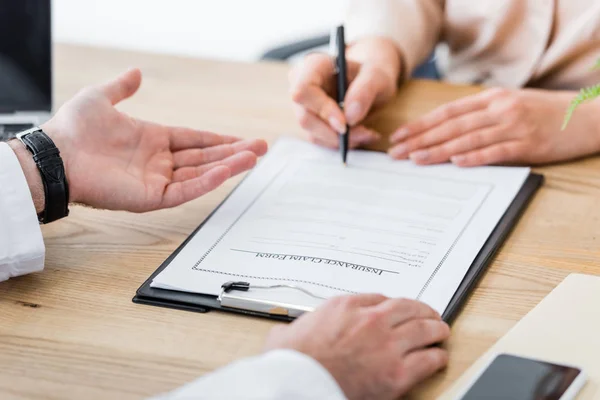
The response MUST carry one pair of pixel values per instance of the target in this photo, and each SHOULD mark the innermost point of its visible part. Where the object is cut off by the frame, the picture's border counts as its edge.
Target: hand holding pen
(372, 75)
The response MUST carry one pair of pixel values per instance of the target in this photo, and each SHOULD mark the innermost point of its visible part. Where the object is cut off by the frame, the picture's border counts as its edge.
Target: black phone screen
(516, 378)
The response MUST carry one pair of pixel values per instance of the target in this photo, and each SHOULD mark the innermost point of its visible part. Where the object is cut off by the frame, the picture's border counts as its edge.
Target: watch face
(25, 55)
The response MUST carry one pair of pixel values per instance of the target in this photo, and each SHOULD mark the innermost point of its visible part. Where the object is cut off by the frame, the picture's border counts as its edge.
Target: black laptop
(25, 65)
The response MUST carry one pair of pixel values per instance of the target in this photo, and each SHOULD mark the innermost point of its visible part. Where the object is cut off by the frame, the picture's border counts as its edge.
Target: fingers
(502, 153)
(311, 85)
(315, 68)
(463, 126)
(178, 193)
(199, 156)
(318, 112)
(356, 301)
(361, 136)
(237, 164)
(415, 324)
(183, 138)
(371, 85)
(445, 113)
(395, 311)
(422, 364)
(123, 86)
(442, 133)
(471, 141)
(320, 133)
(419, 333)
(368, 299)
(316, 101)
(399, 311)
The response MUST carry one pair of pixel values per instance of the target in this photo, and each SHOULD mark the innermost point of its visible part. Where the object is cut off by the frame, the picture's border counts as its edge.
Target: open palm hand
(117, 162)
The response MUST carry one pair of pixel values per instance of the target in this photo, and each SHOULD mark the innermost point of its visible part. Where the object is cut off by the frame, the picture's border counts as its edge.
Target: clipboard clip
(229, 299)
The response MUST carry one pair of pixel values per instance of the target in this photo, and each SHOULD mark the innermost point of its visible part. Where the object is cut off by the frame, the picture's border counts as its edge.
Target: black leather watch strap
(48, 160)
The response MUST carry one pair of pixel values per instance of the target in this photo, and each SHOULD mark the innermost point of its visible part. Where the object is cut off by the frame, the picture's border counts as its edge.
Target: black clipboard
(204, 303)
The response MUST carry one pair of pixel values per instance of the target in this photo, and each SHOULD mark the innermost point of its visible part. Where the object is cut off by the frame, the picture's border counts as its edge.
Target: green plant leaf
(597, 65)
(584, 95)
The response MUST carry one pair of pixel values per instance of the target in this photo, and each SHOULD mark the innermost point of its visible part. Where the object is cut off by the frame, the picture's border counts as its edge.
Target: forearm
(32, 174)
(583, 129)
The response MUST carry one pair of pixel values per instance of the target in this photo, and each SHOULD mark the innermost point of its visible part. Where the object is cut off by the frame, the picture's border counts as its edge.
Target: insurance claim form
(376, 226)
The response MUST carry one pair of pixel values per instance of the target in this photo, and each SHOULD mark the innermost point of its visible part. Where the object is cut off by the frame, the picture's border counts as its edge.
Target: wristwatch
(47, 158)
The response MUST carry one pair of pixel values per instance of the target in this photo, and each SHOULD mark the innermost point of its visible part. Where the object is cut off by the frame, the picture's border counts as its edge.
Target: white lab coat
(281, 374)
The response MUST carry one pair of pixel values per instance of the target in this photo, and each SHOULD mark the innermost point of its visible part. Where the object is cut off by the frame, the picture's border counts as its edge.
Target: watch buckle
(20, 135)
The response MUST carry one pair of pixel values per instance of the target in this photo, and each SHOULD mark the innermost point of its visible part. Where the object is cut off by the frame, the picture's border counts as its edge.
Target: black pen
(342, 83)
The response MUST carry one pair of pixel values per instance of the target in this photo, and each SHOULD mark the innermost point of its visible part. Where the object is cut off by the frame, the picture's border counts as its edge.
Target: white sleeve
(21, 243)
(280, 374)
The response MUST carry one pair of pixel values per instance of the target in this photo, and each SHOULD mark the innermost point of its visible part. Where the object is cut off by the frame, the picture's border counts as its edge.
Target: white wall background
(225, 29)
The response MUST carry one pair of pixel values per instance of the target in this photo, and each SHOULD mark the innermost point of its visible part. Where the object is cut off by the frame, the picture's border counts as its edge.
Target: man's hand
(500, 126)
(373, 71)
(374, 347)
(117, 162)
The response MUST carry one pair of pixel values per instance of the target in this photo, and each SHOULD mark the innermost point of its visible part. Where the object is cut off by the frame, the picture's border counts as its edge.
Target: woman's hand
(500, 126)
(373, 71)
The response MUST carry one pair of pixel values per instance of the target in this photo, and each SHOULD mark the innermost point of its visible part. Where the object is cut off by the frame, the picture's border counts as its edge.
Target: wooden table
(72, 331)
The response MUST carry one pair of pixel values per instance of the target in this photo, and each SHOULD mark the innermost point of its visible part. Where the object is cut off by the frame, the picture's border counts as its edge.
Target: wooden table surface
(72, 332)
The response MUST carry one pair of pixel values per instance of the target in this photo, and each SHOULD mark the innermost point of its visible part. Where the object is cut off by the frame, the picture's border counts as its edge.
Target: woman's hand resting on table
(500, 126)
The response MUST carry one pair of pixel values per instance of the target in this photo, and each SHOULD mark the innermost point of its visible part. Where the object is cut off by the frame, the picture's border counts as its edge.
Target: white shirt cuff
(21, 243)
(279, 374)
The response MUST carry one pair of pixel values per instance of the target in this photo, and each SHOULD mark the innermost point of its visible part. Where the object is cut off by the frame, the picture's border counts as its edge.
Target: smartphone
(516, 378)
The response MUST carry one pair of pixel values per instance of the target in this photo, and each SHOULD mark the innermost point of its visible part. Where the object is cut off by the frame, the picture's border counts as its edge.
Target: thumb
(123, 86)
(371, 85)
